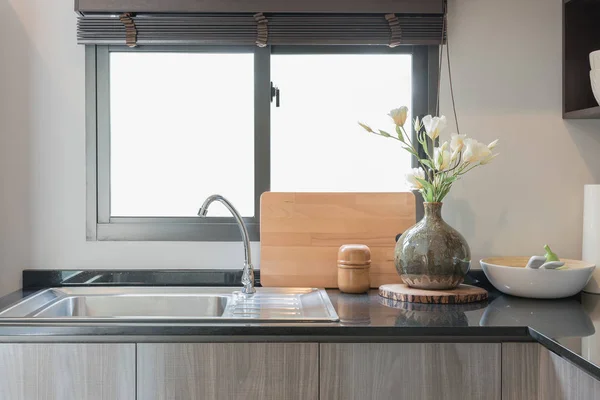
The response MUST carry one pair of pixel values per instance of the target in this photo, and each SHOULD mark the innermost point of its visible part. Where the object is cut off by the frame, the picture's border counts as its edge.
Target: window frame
(101, 226)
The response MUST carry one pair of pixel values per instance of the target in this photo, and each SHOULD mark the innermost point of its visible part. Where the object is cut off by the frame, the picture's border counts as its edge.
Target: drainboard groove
(270, 313)
(271, 302)
(259, 307)
(268, 308)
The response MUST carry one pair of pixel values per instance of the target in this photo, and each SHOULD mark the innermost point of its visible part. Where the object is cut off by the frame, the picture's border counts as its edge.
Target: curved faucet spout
(248, 271)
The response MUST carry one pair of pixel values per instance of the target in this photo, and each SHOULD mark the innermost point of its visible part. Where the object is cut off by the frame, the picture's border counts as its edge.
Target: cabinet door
(532, 372)
(381, 371)
(45, 371)
(261, 371)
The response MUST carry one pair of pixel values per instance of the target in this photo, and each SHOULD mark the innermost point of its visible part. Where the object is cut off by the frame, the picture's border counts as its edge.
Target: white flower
(475, 151)
(455, 154)
(399, 115)
(441, 157)
(457, 141)
(493, 144)
(411, 178)
(484, 152)
(417, 124)
(434, 125)
(488, 159)
(470, 150)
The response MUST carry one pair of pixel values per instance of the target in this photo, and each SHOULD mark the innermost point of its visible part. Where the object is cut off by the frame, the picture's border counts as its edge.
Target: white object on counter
(509, 275)
(595, 59)
(591, 234)
(539, 262)
(535, 262)
(595, 80)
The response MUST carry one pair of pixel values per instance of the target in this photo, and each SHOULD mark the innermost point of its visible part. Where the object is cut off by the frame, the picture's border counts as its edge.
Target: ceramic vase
(432, 255)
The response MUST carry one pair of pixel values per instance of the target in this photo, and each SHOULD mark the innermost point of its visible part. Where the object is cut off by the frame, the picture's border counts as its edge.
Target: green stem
(403, 142)
(473, 167)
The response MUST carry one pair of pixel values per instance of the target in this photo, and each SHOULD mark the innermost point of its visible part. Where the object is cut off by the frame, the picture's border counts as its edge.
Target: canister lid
(354, 254)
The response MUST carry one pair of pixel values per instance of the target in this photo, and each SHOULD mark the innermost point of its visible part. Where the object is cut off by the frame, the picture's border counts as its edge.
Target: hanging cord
(447, 37)
(441, 58)
(451, 85)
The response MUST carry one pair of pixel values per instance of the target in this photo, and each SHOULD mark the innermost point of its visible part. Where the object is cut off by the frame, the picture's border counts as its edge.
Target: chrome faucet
(248, 271)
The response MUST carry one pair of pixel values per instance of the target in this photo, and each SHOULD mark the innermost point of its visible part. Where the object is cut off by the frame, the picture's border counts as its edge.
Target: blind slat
(241, 29)
(265, 6)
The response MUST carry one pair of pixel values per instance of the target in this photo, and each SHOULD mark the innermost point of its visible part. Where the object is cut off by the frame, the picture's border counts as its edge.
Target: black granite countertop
(569, 327)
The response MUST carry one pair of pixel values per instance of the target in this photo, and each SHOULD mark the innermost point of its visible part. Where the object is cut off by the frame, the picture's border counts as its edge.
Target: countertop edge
(565, 353)
(203, 333)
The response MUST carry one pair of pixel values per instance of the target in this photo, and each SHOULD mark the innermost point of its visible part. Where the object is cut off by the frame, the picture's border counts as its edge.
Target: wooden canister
(354, 264)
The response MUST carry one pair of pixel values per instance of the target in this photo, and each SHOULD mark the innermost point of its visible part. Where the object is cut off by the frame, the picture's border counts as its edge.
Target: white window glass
(316, 143)
(182, 128)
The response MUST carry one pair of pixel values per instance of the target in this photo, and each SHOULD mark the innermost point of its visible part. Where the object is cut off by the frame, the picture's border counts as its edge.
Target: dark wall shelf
(581, 36)
(581, 1)
(587, 113)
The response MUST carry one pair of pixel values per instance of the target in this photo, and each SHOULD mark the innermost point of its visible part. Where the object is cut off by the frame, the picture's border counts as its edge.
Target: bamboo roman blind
(226, 22)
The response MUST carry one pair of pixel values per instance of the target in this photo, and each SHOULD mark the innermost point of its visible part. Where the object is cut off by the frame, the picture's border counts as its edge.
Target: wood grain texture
(433, 371)
(521, 262)
(460, 295)
(532, 372)
(43, 371)
(261, 371)
(302, 232)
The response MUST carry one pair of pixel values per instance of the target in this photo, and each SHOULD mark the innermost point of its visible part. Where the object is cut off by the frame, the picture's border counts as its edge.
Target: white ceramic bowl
(595, 59)
(595, 79)
(509, 275)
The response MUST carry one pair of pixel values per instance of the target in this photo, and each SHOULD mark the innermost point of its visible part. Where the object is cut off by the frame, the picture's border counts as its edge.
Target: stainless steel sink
(148, 304)
(134, 306)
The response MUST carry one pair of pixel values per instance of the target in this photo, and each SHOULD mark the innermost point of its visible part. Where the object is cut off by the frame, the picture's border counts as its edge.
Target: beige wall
(506, 64)
(506, 59)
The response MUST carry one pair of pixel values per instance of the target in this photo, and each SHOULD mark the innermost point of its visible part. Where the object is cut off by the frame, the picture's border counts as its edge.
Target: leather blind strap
(396, 30)
(130, 29)
(262, 30)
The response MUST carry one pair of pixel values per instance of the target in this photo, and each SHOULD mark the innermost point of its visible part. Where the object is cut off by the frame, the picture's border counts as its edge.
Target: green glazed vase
(432, 255)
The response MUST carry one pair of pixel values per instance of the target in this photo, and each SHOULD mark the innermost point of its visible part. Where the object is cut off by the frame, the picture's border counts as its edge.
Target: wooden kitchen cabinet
(450, 371)
(532, 372)
(261, 371)
(57, 371)
(290, 371)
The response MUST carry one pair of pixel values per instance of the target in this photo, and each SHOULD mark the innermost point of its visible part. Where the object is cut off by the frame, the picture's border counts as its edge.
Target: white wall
(42, 156)
(507, 73)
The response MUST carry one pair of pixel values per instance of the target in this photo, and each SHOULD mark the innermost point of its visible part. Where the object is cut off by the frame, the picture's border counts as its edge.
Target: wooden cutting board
(300, 234)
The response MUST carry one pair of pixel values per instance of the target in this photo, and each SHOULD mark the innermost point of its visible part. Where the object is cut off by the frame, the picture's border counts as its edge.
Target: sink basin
(135, 306)
(151, 304)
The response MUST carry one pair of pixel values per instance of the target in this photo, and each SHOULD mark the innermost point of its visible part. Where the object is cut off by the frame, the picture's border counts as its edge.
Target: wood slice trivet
(460, 295)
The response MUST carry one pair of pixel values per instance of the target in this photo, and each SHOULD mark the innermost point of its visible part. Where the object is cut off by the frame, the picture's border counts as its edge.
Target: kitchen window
(170, 125)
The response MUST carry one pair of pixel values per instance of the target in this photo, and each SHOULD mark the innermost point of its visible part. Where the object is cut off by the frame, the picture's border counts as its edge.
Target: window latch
(275, 95)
